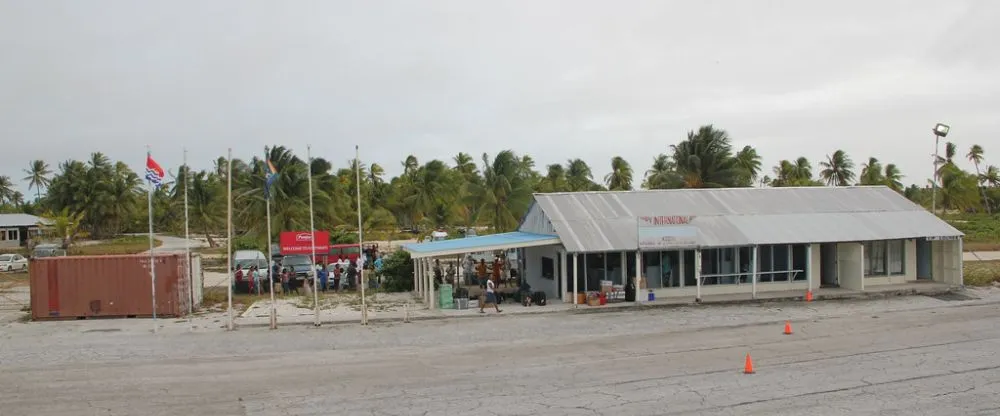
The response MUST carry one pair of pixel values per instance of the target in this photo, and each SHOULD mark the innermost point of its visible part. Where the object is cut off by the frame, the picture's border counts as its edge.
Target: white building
(744, 240)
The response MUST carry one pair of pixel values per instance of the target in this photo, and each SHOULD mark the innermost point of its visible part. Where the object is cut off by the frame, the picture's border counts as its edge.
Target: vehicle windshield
(6, 257)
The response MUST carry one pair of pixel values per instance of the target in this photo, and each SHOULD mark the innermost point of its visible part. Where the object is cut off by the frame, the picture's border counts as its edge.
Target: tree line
(104, 198)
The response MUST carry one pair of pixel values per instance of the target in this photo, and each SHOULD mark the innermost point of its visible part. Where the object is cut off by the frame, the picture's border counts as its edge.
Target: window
(897, 253)
(781, 266)
(10, 234)
(548, 268)
(764, 263)
(651, 267)
(799, 261)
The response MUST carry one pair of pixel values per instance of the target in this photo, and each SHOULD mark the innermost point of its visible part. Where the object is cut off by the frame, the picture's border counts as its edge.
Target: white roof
(20, 220)
(607, 221)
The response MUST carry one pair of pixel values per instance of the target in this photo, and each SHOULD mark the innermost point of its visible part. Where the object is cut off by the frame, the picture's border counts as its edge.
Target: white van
(247, 258)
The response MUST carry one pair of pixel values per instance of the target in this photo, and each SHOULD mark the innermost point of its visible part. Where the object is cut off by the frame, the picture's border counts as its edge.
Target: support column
(423, 280)
(433, 304)
(563, 288)
(809, 268)
(753, 269)
(576, 275)
(416, 276)
(697, 274)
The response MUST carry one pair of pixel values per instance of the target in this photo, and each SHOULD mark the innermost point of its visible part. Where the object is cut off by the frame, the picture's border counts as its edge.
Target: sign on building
(666, 232)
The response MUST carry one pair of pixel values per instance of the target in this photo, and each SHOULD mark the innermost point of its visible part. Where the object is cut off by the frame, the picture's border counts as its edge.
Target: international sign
(665, 232)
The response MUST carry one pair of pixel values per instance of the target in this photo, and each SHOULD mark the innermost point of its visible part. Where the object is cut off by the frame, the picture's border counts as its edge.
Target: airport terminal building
(697, 242)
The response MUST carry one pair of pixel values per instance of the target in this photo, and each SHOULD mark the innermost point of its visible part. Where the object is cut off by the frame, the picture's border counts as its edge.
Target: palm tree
(554, 179)
(991, 177)
(749, 163)
(976, 156)
(620, 178)
(6, 189)
(662, 175)
(506, 194)
(871, 173)
(893, 178)
(837, 169)
(578, 175)
(705, 159)
(38, 176)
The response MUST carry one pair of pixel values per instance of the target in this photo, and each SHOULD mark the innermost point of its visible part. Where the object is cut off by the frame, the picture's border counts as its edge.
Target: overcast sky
(553, 79)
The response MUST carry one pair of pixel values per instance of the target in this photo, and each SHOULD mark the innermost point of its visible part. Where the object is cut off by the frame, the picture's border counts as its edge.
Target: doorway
(925, 256)
(828, 275)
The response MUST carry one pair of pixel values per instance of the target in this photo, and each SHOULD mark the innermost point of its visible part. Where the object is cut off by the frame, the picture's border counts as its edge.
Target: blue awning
(505, 241)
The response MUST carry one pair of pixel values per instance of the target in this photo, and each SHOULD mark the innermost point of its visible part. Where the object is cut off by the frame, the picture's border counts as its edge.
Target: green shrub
(397, 272)
(981, 273)
(978, 227)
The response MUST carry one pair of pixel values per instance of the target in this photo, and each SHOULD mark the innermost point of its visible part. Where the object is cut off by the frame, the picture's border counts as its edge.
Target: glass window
(630, 263)
(800, 261)
(764, 263)
(670, 268)
(897, 255)
(876, 260)
(781, 266)
(689, 268)
(651, 269)
(745, 257)
(614, 267)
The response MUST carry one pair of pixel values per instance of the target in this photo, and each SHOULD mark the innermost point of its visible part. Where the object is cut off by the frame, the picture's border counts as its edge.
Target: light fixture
(941, 130)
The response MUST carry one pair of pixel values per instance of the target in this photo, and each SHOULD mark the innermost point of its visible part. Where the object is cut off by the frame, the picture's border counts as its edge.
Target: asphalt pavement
(905, 356)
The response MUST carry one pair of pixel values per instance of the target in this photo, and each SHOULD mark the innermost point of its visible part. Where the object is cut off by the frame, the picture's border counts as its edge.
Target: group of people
(342, 270)
(499, 271)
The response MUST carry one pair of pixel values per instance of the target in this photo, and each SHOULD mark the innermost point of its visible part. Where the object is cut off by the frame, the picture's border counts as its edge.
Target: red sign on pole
(301, 242)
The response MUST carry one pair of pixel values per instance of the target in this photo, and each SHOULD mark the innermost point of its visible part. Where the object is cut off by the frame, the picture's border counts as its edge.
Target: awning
(505, 241)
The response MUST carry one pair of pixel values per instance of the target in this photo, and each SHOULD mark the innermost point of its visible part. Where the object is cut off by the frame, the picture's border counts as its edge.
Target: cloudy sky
(554, 79)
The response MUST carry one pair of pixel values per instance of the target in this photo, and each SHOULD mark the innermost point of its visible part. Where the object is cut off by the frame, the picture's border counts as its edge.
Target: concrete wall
(851, 265)
(816, 265)
(533, 270)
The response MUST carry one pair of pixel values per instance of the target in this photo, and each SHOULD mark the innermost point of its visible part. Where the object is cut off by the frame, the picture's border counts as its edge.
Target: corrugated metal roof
(606, 221)
(502, 241)
(19, 220)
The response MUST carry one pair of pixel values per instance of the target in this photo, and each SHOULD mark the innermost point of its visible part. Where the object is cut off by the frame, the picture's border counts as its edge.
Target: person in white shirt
(491, 297)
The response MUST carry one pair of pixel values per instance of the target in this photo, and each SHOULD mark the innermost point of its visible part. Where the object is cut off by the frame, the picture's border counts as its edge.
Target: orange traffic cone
(748, 366)
(809, 296)
(788, 327)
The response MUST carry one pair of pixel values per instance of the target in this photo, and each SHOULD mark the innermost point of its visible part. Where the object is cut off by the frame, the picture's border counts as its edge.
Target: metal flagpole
(187, 238)
(361, 239)
(229, 235)
(312, 228)
(270, 248)
(152, 260)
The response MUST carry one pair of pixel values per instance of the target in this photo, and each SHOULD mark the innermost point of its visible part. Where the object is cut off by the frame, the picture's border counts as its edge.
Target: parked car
(48, 250)
(299, 265)
(12, 262)
(247, 258)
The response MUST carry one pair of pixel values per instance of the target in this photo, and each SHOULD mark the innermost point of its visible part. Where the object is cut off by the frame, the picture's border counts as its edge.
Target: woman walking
(491, 297)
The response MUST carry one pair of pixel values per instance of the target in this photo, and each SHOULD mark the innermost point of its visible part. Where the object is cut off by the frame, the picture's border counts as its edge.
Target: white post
(562, 275)
(312, 237)
(576, 275)
(809, 268)
(430, 290)
(361, 236)
(423, 280)
(416, 275)
(152, 258)
(697, 274)
(957, 258)
(270, 248)
(187, 239)
(753, 269)
(229, 233)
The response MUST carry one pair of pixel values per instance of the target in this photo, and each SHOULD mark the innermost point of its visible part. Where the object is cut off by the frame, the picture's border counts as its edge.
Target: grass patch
(981, 273)
(979, 229)
(121, 245)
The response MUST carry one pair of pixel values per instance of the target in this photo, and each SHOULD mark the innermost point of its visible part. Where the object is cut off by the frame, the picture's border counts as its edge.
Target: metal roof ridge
(741, 188)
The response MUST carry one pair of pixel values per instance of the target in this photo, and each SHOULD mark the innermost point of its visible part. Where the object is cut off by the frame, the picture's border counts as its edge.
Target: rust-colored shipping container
(107, 286)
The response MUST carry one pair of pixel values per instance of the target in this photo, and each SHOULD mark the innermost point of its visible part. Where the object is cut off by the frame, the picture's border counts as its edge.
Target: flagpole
(270, 248)
(361, 253)
(187, 238)
(229, 234)
(152, 259)
(312, 228)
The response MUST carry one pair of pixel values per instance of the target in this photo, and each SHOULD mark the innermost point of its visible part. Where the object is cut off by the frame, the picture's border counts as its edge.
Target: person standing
(481, 273)
(337, 272)
(491, 297)
(285, 278)
(324, 276)
(497, 269)
(352, 276)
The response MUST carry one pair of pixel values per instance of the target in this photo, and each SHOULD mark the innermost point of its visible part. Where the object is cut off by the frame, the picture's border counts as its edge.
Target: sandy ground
(899, 356)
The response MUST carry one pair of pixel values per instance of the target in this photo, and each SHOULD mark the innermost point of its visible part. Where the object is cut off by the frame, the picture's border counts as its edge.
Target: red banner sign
(300, 242)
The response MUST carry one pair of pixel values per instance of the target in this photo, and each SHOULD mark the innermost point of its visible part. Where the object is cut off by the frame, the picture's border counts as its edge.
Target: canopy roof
(504, 241)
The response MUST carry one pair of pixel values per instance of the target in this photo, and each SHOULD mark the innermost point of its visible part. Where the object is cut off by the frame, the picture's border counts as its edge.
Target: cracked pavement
(912, 356)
